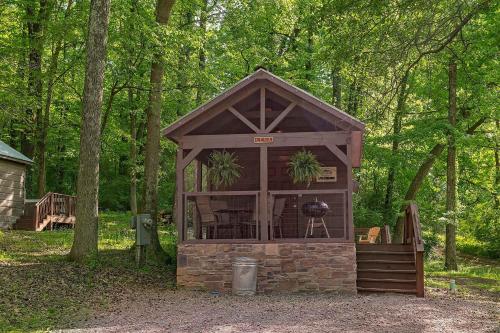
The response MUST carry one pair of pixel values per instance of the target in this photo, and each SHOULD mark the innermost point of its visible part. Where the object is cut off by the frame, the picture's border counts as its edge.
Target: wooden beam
(280, 117)
(262, 109)
(243, 119)
(278, 140)
(184, 126)
(198, 176)
(286, 89)
(263, 218)
(192, 154)
(357, 147)
(350, 219)
(335, 119)
(337, 152)
(179, 188)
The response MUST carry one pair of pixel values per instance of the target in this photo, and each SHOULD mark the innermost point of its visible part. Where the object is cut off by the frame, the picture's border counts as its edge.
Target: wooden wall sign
(263, 139)
(328, 175)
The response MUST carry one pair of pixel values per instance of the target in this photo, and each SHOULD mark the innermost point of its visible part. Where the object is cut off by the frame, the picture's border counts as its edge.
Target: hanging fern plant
(223, 168)
(304, 167)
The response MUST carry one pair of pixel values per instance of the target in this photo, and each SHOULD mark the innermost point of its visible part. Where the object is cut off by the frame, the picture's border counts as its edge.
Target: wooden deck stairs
(394, 268)
(51, 210)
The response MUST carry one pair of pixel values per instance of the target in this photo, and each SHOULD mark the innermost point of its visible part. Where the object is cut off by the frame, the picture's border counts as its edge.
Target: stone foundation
(282, 267)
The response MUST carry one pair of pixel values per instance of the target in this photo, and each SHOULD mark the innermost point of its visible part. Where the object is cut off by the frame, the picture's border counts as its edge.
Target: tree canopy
(384, 62)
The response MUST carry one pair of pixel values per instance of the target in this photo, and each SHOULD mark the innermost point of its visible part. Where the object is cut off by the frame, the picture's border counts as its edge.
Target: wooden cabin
(12, 184)
(20, 213)
(263, 122)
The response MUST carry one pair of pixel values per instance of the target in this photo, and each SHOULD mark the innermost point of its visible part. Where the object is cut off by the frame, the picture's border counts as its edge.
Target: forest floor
(41, 290)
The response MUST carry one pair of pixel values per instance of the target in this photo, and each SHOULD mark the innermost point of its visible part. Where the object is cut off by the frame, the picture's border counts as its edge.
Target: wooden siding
(12, 179)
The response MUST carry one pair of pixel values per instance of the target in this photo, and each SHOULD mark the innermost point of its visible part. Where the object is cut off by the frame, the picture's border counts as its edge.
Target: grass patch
(475, 275)
(41, 290)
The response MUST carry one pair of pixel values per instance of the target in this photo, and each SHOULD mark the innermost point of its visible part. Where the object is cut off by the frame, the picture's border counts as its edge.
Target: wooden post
(51, 204)
(198, 188)
(262, 110)
(179, 189)
(263, 218)
(140, 255)
(350, 219)
(419, 265)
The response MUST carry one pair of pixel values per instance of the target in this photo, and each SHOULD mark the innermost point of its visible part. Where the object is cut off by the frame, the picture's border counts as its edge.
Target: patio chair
(224, 221)
(279, 207)
(370, 237)
(207, 216)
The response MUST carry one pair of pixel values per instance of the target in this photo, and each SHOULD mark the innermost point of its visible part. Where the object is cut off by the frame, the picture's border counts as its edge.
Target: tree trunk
(451, 173)
(391, 174)
(86, 228)
(133, 153)
(152, 153)
(336, 87)
(30, 140)
(497, 164)
(417, 181)
(42, 142)
(201, 53)
(354, 97)
(309, 55)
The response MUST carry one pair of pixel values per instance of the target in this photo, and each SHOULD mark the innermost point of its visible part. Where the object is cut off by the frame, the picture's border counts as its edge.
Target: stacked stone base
(282, 267)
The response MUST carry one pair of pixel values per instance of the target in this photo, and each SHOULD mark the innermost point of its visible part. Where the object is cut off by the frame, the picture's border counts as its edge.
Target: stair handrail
(47, 206)
(413, 236)
(41, 210)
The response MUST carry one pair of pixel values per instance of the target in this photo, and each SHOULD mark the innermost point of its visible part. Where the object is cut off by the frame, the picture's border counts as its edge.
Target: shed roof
(262, 74)
(9, 153)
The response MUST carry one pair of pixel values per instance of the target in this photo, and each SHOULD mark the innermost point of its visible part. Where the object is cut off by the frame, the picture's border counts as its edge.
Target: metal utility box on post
(142, 225)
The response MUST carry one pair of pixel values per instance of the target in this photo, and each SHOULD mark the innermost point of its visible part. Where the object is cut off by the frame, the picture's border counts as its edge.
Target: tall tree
(451, 172)
(396, 132)
(152, 151)
(44, 123)
(86, 228)
(36, 19)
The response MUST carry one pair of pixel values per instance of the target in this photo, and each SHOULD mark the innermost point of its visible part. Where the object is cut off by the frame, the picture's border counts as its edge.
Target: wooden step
(387, 284)
(387, 280)
(403, 284)
(384, 247)
(386, 273)
(383, 290)
(385, 255)
(385, 264)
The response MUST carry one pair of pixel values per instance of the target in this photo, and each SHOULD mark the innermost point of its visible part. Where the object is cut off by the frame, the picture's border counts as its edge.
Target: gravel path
(182, 311)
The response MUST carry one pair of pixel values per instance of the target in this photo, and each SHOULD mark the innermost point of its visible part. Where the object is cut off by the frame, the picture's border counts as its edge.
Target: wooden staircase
(393, 267)
(51, 210)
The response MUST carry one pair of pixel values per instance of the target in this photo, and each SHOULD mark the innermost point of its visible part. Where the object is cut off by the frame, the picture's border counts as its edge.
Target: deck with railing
(51, 210)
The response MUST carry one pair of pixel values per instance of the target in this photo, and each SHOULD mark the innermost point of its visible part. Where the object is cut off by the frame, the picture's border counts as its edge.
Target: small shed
(12, 184)
(262, 122)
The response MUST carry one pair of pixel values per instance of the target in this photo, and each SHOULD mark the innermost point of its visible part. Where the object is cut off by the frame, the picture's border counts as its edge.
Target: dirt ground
(182, 311)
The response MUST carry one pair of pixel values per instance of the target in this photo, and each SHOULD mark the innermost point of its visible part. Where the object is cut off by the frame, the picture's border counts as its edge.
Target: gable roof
(9, 153)
(262, 74)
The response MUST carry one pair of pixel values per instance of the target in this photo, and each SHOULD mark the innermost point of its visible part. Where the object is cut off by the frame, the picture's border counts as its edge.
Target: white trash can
(244, 276)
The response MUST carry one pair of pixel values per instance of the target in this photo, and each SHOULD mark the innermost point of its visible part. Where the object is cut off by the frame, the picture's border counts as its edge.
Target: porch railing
(216, 215)
(293, 224)
(234, 215)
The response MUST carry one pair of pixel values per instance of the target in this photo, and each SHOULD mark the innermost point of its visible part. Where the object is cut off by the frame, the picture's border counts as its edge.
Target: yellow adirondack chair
(371, 237)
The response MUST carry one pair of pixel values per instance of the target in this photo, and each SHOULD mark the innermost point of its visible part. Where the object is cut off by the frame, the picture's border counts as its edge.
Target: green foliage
(474, 276)
(366, 46)
(223, 169)
(304, 167)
